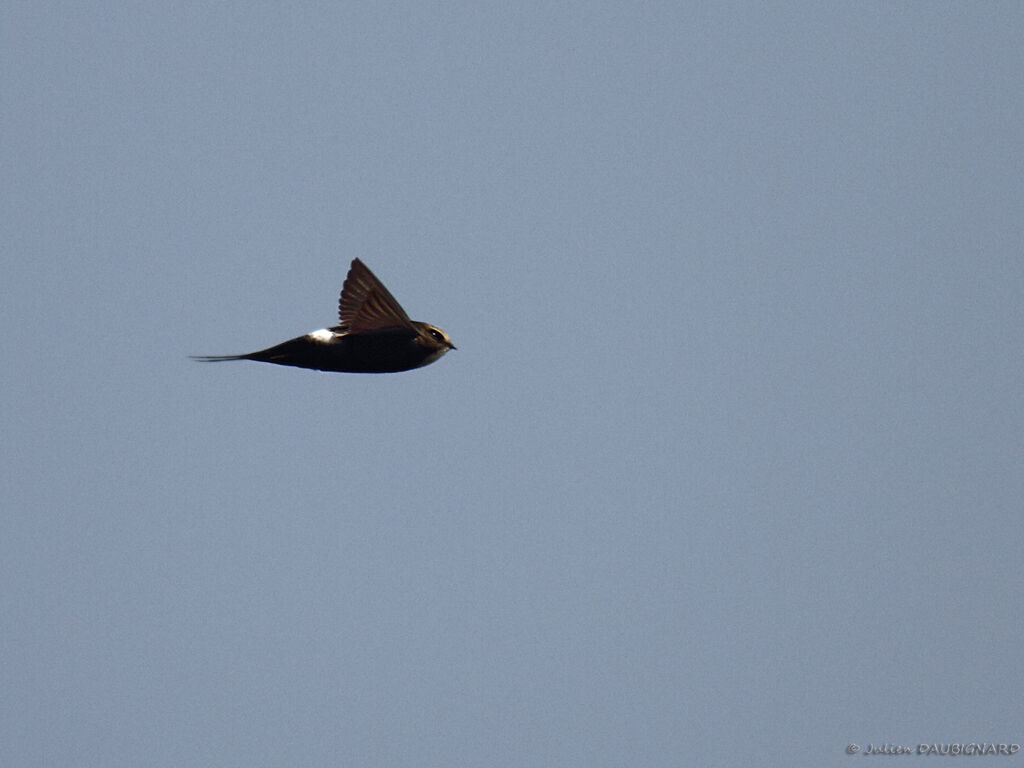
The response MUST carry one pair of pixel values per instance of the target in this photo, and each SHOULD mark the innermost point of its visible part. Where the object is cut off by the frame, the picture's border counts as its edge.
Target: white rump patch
(324, 335)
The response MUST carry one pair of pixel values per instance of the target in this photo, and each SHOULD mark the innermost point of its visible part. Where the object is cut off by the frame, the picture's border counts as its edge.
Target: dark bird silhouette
(375, 335)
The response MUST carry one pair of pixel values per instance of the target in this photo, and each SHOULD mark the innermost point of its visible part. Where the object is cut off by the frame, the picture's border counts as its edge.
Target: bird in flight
(374, 335)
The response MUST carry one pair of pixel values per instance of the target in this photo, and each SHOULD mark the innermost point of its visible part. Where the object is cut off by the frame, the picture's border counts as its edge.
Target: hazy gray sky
(728, 467)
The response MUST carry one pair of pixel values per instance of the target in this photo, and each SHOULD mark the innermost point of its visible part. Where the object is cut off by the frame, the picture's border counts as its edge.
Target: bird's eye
(438, 336)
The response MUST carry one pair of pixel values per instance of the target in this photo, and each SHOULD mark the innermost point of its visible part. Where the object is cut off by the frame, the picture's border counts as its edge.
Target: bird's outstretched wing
(366, 305)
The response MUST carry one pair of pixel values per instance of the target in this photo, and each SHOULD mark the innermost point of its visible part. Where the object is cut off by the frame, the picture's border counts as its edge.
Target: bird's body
(375, 335)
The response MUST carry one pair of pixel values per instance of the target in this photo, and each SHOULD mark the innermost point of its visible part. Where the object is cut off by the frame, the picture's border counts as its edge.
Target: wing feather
(366, 305)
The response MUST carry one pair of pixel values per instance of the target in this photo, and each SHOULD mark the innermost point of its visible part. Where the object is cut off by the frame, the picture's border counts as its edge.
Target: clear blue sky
(728, 467)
